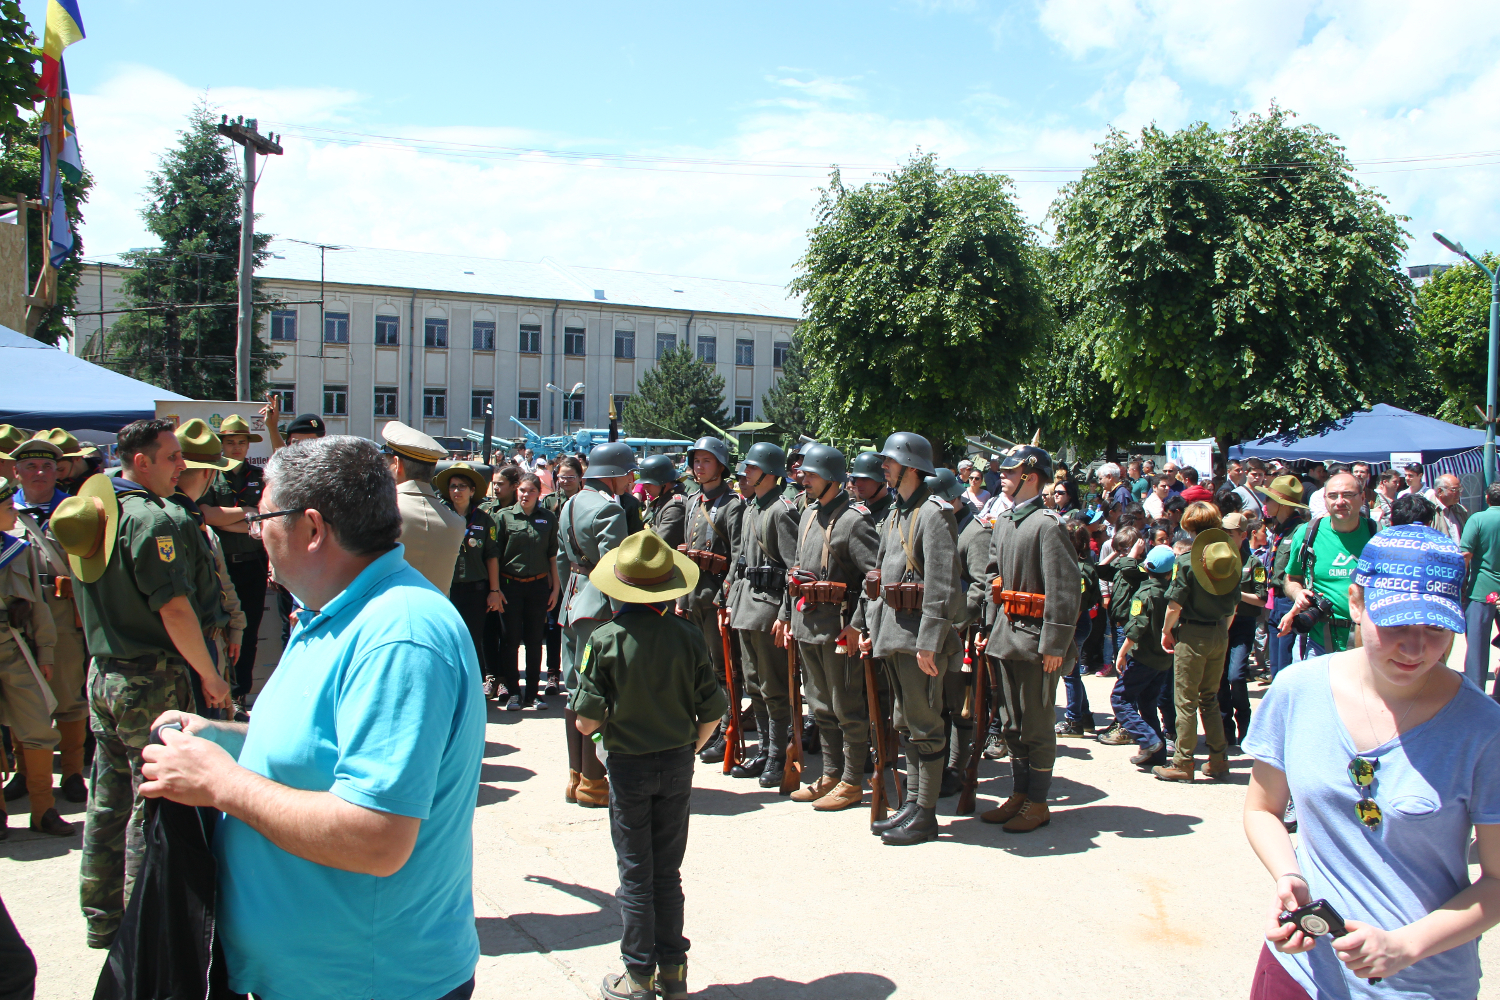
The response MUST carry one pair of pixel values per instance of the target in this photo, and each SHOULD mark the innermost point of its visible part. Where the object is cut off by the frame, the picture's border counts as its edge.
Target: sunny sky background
(691, 138)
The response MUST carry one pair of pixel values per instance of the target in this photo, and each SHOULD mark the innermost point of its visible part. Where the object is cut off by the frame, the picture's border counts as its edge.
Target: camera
(1318, 918)
(1305, 621)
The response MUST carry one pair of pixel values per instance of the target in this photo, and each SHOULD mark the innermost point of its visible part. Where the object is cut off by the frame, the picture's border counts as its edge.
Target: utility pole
(245, 133)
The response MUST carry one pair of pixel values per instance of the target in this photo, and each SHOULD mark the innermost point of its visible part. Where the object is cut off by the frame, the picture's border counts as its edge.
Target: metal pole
(1494, 377)
(247, 270)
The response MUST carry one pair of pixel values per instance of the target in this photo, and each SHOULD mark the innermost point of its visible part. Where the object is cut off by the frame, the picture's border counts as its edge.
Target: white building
(430, 339)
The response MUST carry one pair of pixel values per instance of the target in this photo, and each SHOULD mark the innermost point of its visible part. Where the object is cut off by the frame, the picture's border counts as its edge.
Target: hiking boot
(51, 822)
(1175, 771)
(592, 792)
(1005, 811)
(919, 827)
(628, 986)
(73, 788)
(995, 748)
(1216, 769)
(1032, 815)
(671, 981)
(1117, 737)
(953, 782)
(817, 789)
(843, 796)
(1150, 756)
(1070, 727)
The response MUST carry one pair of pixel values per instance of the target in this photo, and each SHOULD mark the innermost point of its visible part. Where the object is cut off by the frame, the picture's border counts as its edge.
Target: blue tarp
(1370, 436)
(43, 387)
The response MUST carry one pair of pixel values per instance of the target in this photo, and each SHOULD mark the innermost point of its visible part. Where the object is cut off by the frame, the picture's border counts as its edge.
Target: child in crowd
(1144, 666)
(1079, 720)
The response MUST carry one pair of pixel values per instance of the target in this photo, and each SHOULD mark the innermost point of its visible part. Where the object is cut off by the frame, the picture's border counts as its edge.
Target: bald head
(1343, 495)
(1447, 489)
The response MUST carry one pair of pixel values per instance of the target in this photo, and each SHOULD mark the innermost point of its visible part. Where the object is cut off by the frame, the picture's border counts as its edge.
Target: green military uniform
(880, 507)
(207, 597)
(1198, 661)
(27, 640)
(527, 542)
(713, 521)
(528, 557)
(667, 516)
(553, 501)
(1145, 614)
(245, 558)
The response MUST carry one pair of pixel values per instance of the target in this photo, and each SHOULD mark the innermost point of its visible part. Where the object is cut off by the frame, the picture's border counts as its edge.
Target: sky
(693, 138)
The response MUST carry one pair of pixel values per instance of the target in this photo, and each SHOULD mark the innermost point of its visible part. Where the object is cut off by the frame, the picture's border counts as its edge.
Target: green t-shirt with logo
(1482, 538)
(1334, 558)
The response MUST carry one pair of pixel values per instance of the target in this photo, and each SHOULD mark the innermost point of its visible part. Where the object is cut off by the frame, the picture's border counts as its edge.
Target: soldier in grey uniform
(911, 625)
(836, 543)
(431, 532)
(1031, 554)
(867, 483)
(757, 582)
(959, 731)
(666, 514)
(794, 492)
(713, 527)
(592, 523)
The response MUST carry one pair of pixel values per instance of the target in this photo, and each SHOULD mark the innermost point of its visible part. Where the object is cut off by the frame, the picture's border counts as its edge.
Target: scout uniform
(430, 532)
(71, 449)
(1147, 668)
(26, 652)
(1031, 556)
(713, 519)
(528, 562)
(244, 555)
(469, 586)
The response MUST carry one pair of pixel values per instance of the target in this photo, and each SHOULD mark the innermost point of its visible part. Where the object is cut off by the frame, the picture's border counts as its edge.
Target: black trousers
(494, 631)
(249, 579)
(525, 622)
(469, 599)
(650, 797)
(17, 966)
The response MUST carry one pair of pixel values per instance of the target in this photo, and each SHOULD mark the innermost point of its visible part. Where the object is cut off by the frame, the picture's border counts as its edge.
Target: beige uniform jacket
(430, 531)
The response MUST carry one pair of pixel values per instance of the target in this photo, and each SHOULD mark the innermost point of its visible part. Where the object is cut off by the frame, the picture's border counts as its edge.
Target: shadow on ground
(839, 986)
(521, 933)
(507, 773)
(718, 802)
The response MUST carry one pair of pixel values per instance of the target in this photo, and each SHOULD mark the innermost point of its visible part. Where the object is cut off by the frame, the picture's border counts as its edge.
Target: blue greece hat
(1412, 575)
(1161, 559)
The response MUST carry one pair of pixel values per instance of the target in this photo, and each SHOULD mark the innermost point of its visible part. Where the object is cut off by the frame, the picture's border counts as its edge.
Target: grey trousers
(835, 689)
(960, 731)
(919, 704)
(765, 674)
(1029, 695)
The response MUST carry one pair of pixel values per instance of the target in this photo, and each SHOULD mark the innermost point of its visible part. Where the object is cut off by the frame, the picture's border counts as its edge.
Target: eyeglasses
(255, 520)
(1362, 773)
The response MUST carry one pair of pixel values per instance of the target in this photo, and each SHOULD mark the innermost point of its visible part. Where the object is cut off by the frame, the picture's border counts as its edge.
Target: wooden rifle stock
(877, 736)
(734, 738)
(981, 668)
(791, 774)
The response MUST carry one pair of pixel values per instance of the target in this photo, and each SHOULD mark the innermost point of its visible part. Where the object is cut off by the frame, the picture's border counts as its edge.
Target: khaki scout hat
(643, 569)
(1216, 562)
(10, 438)
(1284, 489)
(37, 447)
(67, 442)
(86, 526)
(464, 469)
(236, 424)
(1237, 521)
(201, 447)
(408, 442)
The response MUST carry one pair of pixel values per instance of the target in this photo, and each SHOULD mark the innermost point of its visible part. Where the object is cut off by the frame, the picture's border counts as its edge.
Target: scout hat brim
(90, 569)
(236, 424)
(1280, 498)
(1202, 542)
(683, 578)
(220, 462)
(441, 480)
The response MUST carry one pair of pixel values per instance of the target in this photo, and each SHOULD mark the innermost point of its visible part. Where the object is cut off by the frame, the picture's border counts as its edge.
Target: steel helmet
(714, 446)
(910, 450)
(798, 452)
(826, 463)
(613, 458)
(657, 470)
(767, 457)
(867, 466)
(945, 484)
(1030, 458)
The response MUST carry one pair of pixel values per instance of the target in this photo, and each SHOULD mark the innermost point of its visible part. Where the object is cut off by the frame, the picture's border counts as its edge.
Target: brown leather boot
(592, 792)
(817, 789)
(70, 747)
(843, 796)
(39, 781)
(1174, 771)
(1216, 769)
(1032, 815)
(1005, 811)
(571, 794)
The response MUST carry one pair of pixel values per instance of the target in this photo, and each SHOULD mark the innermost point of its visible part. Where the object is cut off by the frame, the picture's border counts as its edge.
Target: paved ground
(1138, 889)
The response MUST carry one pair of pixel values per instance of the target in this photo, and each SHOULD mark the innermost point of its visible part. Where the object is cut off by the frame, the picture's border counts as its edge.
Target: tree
(1236, 283)
(793, 403)
(195, 211)
(1453, 320)
(673, 396)
(922, 296)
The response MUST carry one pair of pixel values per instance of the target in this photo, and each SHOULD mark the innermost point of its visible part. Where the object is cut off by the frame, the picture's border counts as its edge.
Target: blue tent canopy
(1370, 436)
(42, 387)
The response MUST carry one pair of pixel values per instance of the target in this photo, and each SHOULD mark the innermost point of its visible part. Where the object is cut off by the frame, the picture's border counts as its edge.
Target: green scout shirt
(554, 501)
(1089, 584)
(240, 488)
(1252, 581)
(1147, 613)
(646, 674)
(207, 595)
(1335, 556)
(527, 544)
(120, 609)
(1126, 574)
(1481, 538)
(478, 547)
(1198, 605)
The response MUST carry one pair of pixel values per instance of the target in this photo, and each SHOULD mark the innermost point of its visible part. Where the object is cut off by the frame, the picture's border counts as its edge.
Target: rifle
(878, 737)
(979, 711)
(734, 738)
(791, 774)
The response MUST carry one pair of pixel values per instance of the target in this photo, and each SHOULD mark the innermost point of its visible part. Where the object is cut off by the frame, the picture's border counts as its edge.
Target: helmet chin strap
(828, 486)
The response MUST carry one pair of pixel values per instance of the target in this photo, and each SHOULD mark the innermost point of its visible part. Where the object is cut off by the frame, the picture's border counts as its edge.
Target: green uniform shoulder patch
(1136, 607)
(166, 548)
(583, 664)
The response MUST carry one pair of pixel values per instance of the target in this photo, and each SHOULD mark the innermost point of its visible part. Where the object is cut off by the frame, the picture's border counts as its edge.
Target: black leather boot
(713, 750)
(919, 826)
(953, 782)
(775, 761)
(756, 763)
(880, 826)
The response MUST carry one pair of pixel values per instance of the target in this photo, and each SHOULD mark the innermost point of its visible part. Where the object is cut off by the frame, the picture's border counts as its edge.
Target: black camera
(1307, 620)
(1318, 918)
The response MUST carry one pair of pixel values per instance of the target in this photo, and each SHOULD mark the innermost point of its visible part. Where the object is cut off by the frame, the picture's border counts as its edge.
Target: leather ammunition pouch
(18, 613)
(806, 587)
(872, 584)
(709, 562)
(1016, 603)
(62, 588)
(903, 596)
(766, 579)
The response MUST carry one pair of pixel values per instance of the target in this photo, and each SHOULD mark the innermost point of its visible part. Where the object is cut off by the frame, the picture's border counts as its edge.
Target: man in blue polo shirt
(345, 852)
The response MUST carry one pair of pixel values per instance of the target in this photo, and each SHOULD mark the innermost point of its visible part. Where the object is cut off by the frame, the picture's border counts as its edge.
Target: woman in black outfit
(476, 573)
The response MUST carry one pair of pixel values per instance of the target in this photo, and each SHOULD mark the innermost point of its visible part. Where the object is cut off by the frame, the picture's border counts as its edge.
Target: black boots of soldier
(919, 826)
(753, 765)
(775, 761)
(713, 750)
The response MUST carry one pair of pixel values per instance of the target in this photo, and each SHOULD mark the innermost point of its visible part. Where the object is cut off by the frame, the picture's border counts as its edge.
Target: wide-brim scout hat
(86, 526)
(67, 442)
(201, 447)
(408, 442)
(1216, 562)
(37, 447)
(643, 569)
(1284, 489)
(236, 424)
(465, 470)
(10, 439)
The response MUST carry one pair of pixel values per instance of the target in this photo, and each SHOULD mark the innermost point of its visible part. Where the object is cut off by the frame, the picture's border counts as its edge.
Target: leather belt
(470, 585)
(141, 664)
(524, 579)
(243, 557)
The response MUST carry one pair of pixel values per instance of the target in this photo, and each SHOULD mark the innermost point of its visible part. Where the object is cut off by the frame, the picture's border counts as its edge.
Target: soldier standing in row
(757, 581)
(430, 532)
(911, 625)
(794, 491)
(867, 481)
(229, 498)
(1032, 632)
(836, 547)
(666, 514)
(974, 538)
(959, 731)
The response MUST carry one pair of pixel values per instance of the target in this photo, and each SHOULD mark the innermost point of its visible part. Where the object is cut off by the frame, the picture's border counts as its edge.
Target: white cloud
(1152, 97)
(1081, 26)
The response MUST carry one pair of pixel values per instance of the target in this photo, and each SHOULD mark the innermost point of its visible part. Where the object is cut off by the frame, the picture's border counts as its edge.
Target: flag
(68, 160)
(64, 27)
(53, 202)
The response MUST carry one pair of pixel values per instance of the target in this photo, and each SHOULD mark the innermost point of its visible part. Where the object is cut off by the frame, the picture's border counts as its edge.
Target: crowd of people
(923, 614)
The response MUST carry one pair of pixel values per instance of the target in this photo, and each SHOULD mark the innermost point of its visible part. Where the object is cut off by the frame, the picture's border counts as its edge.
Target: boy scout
(646, 680)
(1142, 664)
(26, 643)
(430, 532)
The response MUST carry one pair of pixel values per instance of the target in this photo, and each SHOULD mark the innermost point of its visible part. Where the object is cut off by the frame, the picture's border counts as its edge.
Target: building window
(666, 343)
(387, 331)
(335, 328)
(478, 402)
(529, 406)
(434, 402)
(573, 342)
(779, 351)
(620, 401)
(531, 338)
(484, 335)
(744, 352)
(286, 398)
(708, 350)
(335, 400)
(624, 343)
(573, 408)
(437, 333)
(743, 411)
(283, 324)
(385, 401)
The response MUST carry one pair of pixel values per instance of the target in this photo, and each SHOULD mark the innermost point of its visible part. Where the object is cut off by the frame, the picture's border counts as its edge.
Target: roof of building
(545, 279)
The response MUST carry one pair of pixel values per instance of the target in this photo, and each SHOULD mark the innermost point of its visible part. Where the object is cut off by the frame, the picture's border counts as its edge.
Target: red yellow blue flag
(64, 27)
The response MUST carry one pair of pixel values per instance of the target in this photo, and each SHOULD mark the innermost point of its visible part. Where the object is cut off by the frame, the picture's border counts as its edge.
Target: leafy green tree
(793, 403)
(18, 77)
(672, 397)
(1236, 283)
(922, 295)
(195, 211)
(1453, 320)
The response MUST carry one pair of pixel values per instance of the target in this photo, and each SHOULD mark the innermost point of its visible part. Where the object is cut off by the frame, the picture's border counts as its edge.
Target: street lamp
(566, 397)
(1494, 373)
